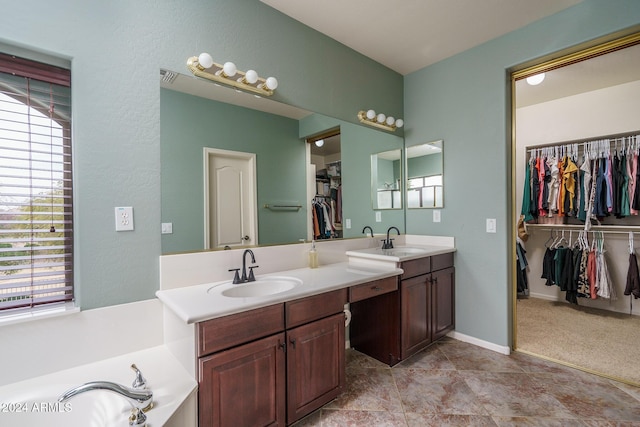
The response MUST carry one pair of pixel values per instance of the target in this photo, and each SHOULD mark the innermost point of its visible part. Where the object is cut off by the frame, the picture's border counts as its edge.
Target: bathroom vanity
(272, 359)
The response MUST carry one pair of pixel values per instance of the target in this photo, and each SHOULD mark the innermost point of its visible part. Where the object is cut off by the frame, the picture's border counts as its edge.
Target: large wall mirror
(196, 115)
(425, 184)
(386, 179)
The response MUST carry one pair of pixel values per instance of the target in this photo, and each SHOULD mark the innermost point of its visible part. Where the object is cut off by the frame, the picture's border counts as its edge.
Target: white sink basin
(263, 286)
(405, 249)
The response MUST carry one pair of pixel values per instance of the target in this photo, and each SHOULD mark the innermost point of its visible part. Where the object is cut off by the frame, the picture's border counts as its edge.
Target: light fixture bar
(380, 121)
(249, 81)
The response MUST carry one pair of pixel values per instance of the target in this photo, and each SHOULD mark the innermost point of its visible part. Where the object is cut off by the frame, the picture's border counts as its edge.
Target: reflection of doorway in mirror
(325, 221)
(230, 199)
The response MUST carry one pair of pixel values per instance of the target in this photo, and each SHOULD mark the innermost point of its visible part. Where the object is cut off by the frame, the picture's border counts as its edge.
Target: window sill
(27, 315)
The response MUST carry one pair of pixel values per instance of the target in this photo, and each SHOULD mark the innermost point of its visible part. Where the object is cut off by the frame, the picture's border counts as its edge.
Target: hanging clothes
(522, 281)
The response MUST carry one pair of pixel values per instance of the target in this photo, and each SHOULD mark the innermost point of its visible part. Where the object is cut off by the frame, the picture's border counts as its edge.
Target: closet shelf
(578, 227)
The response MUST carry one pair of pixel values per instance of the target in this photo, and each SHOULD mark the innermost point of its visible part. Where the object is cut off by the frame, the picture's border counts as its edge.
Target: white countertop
(401, 253)
(195, 304)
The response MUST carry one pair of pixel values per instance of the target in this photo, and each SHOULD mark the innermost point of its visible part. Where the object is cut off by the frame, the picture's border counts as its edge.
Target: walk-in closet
(576, 209)
(326, 204)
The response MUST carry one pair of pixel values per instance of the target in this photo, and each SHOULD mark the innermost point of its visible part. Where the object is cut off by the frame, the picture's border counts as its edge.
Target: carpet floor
(597, 340)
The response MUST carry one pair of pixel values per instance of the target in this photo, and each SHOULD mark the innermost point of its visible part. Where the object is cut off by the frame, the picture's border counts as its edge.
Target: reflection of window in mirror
(425, 187)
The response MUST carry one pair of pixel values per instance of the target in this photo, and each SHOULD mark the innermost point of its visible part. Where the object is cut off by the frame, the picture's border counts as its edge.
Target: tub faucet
(140, 398)
(388, 243)
(365, 229)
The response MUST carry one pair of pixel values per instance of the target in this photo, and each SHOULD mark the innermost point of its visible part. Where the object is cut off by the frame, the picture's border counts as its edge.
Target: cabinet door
(415, 321)
(244, 386)
(315, 365)
(443, 297)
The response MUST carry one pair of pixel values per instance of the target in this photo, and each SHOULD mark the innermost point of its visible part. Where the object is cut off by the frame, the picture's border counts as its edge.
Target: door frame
(208, 153)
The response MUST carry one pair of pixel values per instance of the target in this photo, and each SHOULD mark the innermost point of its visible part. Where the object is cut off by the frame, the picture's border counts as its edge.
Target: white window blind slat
(36, 203)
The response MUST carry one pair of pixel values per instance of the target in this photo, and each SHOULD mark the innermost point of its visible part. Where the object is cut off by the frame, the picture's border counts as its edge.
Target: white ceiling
(408, 35)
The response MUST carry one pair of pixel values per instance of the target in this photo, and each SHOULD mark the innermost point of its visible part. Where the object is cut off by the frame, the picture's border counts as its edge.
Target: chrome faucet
(245, 278)
(365, 229)
(388, 243)
(138, 396)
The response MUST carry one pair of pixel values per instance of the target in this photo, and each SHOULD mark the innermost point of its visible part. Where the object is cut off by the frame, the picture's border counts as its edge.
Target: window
(36, 209)
(425, 192)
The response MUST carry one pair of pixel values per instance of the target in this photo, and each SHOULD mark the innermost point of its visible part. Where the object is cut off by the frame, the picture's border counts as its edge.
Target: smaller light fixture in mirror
(320, 143)
(380, 120)
(536, 79)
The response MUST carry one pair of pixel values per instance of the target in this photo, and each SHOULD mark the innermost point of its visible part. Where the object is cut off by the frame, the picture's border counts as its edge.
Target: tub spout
(140, 399)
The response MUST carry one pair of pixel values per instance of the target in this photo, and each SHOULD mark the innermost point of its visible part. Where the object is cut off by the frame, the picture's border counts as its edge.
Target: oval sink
(262, 287)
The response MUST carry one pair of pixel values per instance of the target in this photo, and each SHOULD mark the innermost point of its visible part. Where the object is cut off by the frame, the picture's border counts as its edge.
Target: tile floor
(452, 383)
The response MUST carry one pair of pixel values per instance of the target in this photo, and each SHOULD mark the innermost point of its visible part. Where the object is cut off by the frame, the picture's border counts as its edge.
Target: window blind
(36, 204)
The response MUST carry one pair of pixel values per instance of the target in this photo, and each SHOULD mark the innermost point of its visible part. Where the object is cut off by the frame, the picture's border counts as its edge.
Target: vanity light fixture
(535, 79)
(227, 74)
(379, 120)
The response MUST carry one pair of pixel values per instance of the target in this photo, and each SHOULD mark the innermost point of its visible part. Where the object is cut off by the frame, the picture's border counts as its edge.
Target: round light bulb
(251, 76)
(535, 80)
(272, 83)
(399, 123)
(205, 60)
(371, 114)
(390, 121)
(381, 118)
(229, 68)
(320, 143)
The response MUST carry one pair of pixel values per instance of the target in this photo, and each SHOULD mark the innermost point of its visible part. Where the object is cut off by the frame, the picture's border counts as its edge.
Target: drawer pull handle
(376, 288)
(282, 346)
(293, 342)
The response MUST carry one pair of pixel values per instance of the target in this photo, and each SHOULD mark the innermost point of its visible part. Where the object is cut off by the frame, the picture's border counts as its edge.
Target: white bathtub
(34, 402)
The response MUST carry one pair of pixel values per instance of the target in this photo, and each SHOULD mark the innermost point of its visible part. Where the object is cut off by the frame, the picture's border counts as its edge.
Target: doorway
(324, 167)
(230, 199)
(584, 96)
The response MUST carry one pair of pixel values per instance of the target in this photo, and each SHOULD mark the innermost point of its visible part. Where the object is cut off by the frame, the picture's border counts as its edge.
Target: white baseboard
(480, 343)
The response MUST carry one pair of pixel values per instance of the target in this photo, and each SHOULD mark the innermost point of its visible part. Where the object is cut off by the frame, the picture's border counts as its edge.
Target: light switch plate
(167, 228)
(124, 218)
(491, 225)
(436, 215)
(378, 216)
(347, 223)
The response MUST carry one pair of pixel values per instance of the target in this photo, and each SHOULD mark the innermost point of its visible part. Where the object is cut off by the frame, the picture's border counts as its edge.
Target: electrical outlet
(167, 228)
(124, 218)
(436, 215)
(347, 223)
(378, 216)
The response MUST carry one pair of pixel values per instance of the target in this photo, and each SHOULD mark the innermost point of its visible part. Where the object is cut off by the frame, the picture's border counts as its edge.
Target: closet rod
(612, 137)
(613, 229)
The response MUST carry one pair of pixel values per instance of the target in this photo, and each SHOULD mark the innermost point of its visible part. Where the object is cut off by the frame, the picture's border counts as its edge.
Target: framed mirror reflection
(386, 178)
(425, 185)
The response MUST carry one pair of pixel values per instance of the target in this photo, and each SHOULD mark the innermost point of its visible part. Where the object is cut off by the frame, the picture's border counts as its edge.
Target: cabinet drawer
(416, 267)
(316, 307)
(372, 289)
(224, 332)
(438, 262)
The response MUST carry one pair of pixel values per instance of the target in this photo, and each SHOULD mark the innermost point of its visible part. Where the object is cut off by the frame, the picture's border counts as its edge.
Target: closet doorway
(325, 186)
(587, 96)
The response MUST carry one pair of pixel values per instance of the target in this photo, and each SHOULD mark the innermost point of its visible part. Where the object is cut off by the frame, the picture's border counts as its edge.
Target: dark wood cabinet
(244, 386)
(273, 365)
(395, 325)
(315, 365)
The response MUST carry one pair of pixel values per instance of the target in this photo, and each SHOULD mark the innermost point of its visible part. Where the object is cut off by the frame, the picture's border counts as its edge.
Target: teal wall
(117, 49)
(424, 165)
(464, 100)
(187, 124)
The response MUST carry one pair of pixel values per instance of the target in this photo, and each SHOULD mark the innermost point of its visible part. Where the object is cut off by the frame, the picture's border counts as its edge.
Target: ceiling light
(535, 80)
(204, 66)
(380, 120)
(320, 143)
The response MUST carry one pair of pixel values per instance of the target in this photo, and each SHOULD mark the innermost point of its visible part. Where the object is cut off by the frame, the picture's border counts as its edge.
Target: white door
(230, 199)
